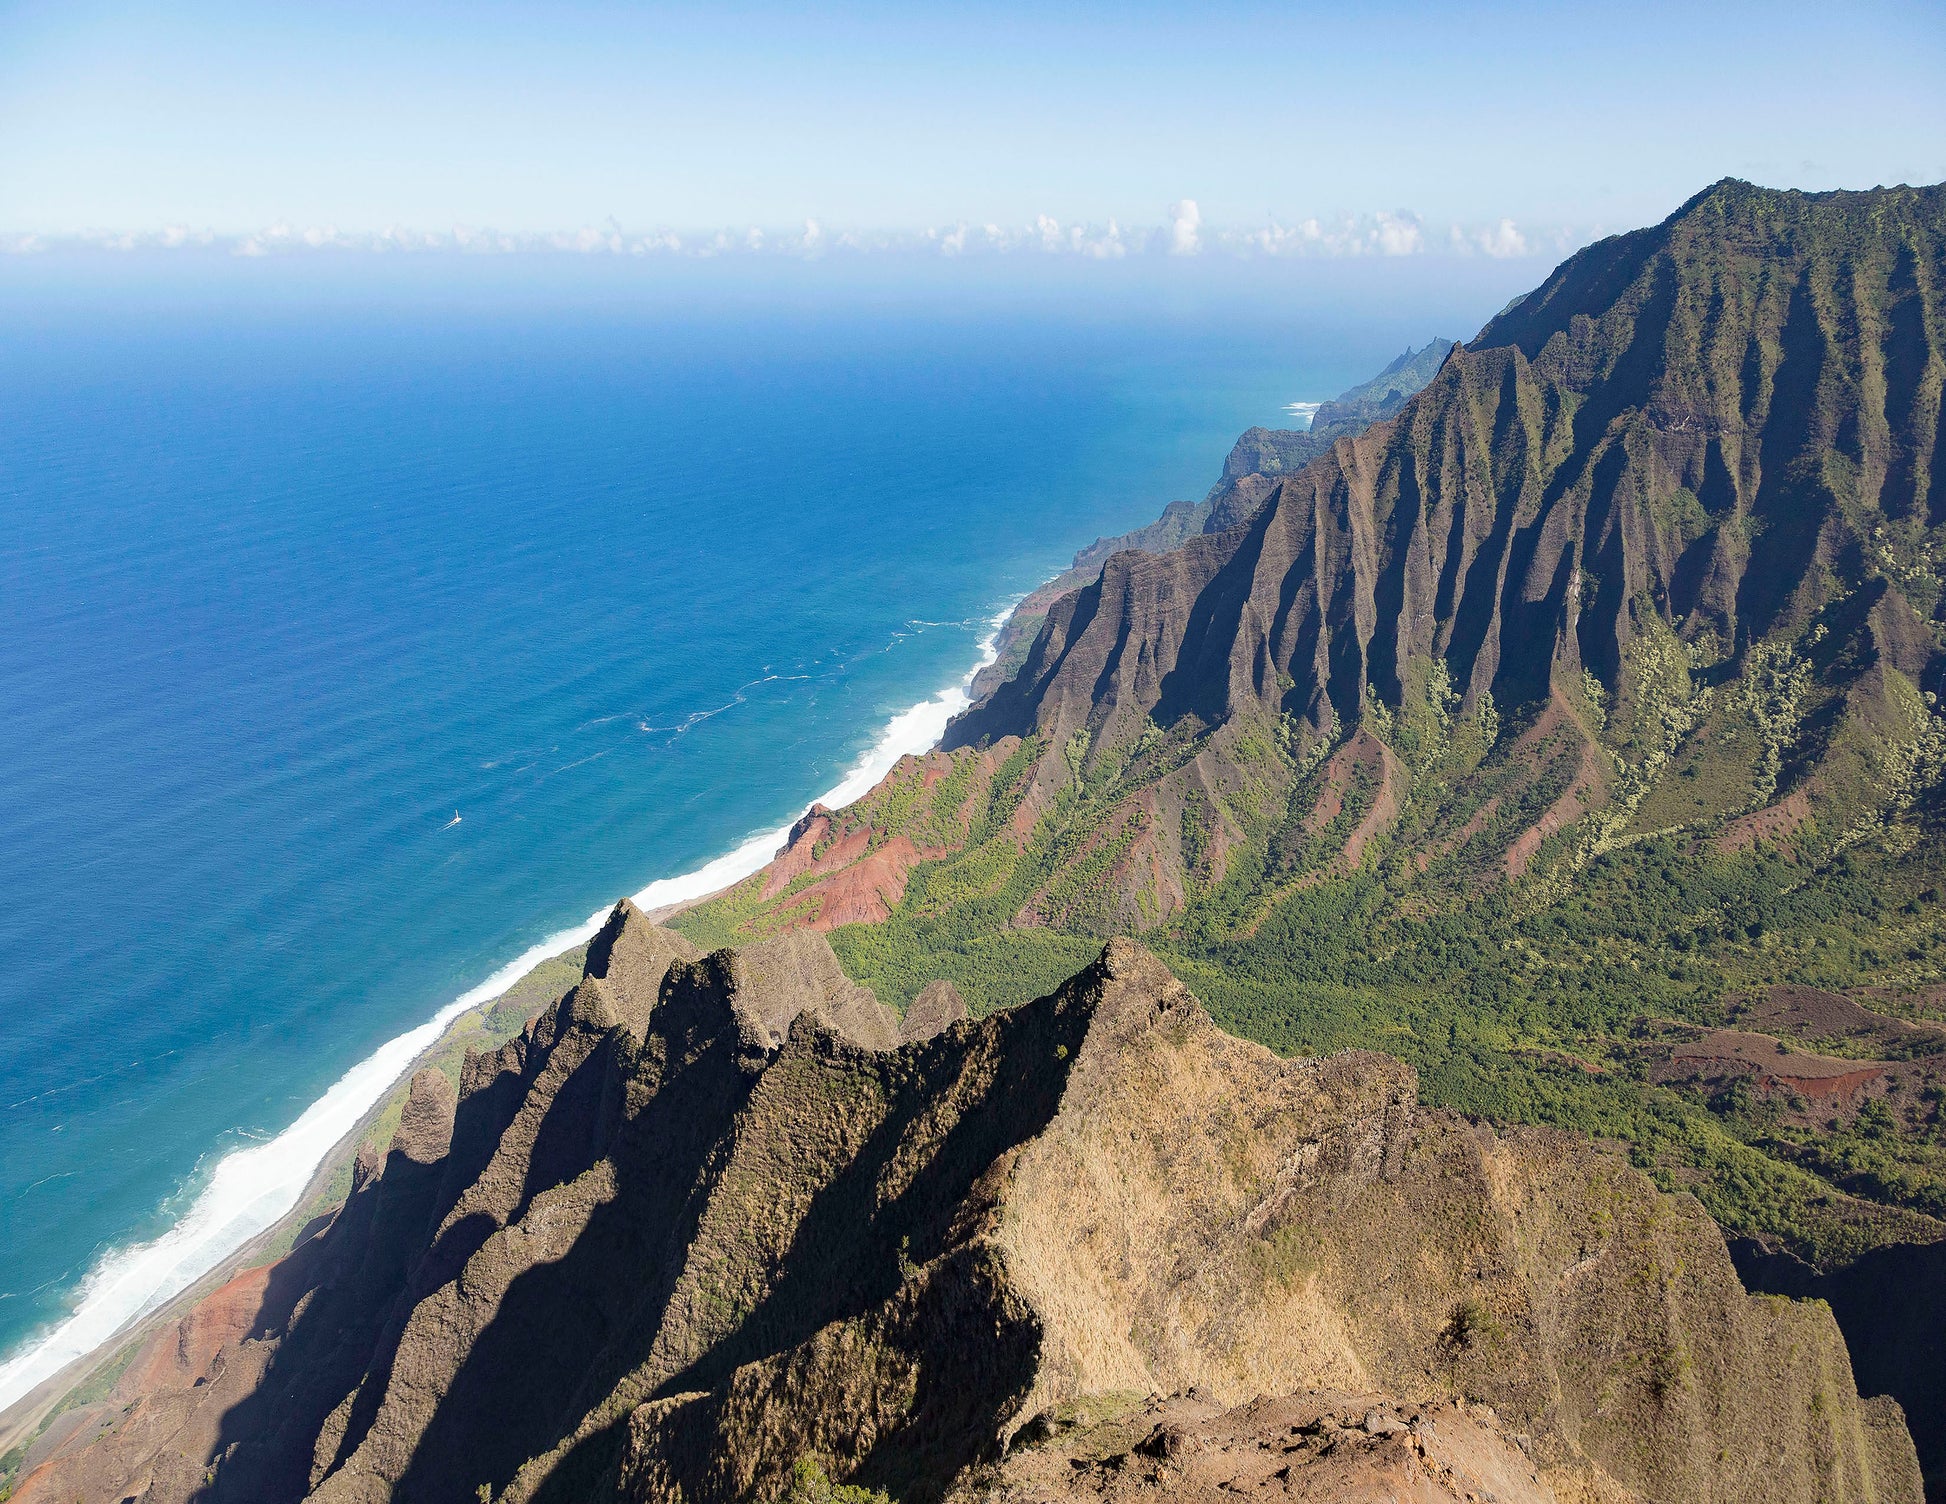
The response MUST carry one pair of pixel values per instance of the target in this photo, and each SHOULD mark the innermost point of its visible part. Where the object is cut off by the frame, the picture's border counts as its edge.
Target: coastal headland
(1373, 977)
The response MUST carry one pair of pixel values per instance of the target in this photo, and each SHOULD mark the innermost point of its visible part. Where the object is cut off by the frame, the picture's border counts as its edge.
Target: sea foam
(252, 1188)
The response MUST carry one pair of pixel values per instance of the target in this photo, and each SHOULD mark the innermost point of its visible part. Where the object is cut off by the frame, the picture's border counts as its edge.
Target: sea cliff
(1531, 804)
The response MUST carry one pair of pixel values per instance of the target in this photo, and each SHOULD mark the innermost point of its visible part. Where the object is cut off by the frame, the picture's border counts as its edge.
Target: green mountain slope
(1561, 751)
(1552, 734)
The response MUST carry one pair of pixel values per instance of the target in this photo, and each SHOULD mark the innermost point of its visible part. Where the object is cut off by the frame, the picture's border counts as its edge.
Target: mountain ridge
(702, 1256)
(1595, 687)
(1570, 732)
(1249, 470)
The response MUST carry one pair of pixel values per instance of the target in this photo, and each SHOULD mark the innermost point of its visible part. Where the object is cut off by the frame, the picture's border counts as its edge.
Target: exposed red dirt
(1732, 1052)
(799, 852)
(177, 1356)
(1814, 1013)
(1367, 754)
(1771, 823)
(866, 887)
(1579, 797)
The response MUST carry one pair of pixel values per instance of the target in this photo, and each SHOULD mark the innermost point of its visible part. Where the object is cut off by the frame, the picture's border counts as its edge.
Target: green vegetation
(1714, 765)
(1549, 1014)
(1547, 1000)
(809, 1485)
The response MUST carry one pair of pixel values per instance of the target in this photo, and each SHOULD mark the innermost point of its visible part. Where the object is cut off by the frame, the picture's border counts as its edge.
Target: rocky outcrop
(695, 1255)
(938, 1006)
(1892, 1306)
(795, 973)
(1264, 456)
(1320, 1447)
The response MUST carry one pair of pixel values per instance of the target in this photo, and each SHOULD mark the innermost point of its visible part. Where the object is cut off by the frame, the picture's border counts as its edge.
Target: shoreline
(253, 1191)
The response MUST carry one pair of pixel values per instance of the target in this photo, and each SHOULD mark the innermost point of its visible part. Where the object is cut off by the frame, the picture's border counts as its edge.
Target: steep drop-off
(1571, 732)
(1258, 459)
(1538, 731)
(673, 1244)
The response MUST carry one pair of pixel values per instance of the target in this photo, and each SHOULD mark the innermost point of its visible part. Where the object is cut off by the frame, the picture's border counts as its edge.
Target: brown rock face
(795, 973)
(938, 1006)
(670, 1259)
(1320, 1448)
(1516, 517)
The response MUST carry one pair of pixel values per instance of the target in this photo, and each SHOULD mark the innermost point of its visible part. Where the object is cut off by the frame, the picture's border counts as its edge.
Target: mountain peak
(900, 1268)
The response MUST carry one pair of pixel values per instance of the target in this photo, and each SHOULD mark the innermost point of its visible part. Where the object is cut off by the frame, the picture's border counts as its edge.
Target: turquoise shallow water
(295, 565)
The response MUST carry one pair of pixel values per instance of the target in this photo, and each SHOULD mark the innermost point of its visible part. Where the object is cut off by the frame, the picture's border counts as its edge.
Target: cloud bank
(1383, 233)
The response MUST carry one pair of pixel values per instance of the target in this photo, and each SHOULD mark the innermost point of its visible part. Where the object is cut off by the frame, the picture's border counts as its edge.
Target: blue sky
(532, 118)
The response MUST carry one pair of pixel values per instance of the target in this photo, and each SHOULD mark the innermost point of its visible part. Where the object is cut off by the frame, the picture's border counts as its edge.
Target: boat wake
(252, 1188)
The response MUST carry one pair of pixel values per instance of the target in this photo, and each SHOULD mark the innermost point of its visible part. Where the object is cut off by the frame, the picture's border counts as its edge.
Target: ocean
(366, 626)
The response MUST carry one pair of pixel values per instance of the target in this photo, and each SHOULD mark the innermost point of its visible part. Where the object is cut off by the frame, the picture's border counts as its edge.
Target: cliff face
(1722, 425)
(1527, 730)
(1683, 491)
(656, 1250)
(1264, 456)
(1256, 462)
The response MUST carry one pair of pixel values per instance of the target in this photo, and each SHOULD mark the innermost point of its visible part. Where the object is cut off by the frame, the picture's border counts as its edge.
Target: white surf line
(252, 1188)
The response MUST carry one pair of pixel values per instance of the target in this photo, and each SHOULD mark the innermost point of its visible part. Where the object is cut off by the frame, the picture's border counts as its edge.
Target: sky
(1390, 126)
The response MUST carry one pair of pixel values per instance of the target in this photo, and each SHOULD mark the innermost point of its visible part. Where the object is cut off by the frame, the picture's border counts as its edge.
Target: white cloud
(1386, 233)
(1108, 247)
(1185, 222)
(1503, 240)
(1398, 234)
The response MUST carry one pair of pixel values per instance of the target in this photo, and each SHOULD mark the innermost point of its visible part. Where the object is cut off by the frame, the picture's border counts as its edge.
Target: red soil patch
(1771, 823)
(1811, 1011)
(1580, 796)
(1731, 1052)
(798, 854)
(1366, 753)
(865, 890)
(179, 1355)
(857, 883)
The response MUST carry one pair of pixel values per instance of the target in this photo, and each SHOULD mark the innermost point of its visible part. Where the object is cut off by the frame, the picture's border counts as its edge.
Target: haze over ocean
(299, 559)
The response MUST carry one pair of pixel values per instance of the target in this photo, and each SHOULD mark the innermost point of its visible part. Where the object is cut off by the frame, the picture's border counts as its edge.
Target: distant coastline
(258, 1190)
(255, 1189)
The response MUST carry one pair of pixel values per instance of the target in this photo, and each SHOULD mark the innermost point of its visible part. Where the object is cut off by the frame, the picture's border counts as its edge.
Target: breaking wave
(253, 1187)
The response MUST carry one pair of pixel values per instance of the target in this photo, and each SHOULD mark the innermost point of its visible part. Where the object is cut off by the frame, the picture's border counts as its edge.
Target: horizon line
(1384, 233)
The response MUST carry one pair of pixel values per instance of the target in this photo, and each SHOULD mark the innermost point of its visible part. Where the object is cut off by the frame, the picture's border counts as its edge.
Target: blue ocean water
(295, 566)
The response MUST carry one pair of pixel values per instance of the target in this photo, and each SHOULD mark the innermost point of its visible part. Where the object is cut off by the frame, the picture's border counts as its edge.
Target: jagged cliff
(1541, 730)
(1721, 431)
(688, 1234)
(1256, 462)
(1570, 732)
